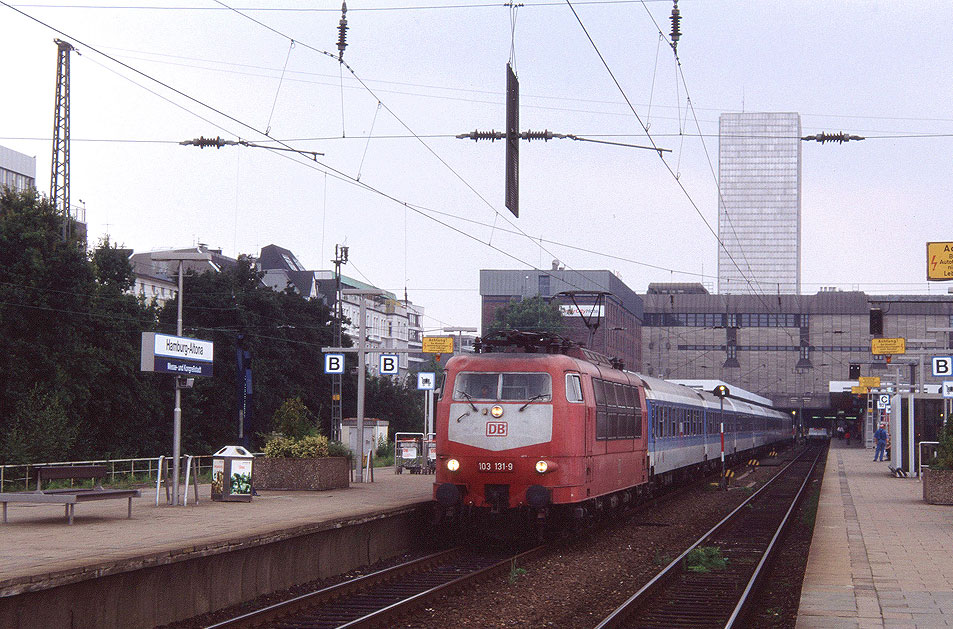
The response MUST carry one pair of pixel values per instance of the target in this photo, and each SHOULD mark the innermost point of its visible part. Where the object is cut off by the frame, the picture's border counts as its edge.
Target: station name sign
(176, 354)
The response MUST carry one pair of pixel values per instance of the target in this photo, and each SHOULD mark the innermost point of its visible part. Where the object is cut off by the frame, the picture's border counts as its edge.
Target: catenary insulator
(676, 20)
(482, 135)
(342, 31)
(536, 135)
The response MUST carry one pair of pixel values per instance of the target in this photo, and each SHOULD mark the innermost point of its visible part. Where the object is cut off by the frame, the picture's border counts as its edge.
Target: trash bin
(232, 474)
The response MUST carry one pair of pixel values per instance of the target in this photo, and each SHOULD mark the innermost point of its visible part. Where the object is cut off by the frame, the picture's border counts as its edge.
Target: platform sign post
(426, 382)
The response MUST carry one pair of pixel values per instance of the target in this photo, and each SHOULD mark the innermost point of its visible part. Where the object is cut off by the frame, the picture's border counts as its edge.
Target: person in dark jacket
(881, 436)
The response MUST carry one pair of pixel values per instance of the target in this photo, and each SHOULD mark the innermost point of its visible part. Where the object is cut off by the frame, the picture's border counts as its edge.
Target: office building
(17, 171)
(759, 203)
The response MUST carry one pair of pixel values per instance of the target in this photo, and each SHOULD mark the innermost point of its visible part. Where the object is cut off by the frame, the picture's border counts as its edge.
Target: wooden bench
(69, 497)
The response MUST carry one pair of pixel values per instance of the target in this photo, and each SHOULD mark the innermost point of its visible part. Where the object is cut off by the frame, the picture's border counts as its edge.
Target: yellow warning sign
(438, 345)
(939, 261)
(859, 390)
(888, 346)
(870, 381)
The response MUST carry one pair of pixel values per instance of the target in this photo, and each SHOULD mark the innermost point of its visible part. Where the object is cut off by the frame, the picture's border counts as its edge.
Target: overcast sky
(423, 210)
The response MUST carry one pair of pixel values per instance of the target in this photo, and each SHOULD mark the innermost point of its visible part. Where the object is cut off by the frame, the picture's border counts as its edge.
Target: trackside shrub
(944, 451)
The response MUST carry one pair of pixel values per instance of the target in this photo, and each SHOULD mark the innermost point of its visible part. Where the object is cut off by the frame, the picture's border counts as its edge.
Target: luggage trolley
(408, 452)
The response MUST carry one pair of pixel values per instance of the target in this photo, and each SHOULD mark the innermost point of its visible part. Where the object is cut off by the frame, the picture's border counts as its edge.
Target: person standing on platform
(881, 436)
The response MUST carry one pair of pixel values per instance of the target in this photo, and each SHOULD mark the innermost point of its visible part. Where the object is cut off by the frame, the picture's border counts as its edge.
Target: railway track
(373, 600)
(710, 584)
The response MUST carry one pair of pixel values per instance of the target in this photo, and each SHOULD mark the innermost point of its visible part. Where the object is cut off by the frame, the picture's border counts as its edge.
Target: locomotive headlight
(497, 411)
(453, 465)
(543, 466)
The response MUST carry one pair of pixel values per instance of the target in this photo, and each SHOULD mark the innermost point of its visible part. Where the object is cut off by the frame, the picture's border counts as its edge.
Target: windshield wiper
(533, 399)
(469, 399)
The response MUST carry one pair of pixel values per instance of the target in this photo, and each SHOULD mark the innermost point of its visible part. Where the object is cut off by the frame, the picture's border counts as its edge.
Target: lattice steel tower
(59, 177)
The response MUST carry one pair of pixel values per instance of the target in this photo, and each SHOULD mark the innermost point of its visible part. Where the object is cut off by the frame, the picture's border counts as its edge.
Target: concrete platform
(255, 544)
(880, 557)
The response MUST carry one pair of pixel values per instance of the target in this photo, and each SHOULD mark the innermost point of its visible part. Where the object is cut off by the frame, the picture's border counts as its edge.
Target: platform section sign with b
(942, 366)
(389, 364)
(333, 363)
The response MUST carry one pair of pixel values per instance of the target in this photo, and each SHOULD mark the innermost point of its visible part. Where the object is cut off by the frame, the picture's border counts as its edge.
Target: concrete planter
(301, 474)
(938, 487)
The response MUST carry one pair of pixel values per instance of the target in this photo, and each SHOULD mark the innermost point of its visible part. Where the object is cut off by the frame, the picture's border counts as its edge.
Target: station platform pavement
(880, 556)
(38, 549)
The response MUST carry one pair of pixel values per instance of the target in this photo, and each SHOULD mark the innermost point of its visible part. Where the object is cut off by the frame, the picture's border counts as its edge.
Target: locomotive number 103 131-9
(495, 466)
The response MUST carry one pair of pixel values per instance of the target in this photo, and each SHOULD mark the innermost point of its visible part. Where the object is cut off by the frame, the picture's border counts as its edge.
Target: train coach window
(573, 387)
(524, 387)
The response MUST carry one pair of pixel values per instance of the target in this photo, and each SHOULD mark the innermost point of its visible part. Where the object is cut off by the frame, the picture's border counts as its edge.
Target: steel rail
(620, 617)
(284, 611)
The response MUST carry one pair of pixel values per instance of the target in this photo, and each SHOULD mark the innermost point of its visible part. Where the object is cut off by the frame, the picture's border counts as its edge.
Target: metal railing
(17, 477)
(931, 453)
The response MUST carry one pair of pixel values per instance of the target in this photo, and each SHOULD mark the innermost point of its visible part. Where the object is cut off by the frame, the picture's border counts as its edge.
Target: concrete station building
(786, 348)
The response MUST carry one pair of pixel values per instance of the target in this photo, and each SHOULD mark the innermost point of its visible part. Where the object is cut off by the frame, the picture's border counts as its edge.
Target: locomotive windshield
(511, 387)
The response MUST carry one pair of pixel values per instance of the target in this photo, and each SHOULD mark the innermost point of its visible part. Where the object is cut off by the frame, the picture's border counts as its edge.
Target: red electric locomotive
(517, 432)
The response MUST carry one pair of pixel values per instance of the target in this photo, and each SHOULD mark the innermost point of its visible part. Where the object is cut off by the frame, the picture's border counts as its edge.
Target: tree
(283, 333)
(397, 402)
(530, 315)
(39, 430)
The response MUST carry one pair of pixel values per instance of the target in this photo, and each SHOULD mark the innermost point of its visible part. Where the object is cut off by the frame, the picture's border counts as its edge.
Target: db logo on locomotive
(496, 429)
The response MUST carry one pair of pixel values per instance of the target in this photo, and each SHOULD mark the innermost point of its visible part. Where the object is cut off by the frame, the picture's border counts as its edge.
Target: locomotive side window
(573, 387)
(598, 389)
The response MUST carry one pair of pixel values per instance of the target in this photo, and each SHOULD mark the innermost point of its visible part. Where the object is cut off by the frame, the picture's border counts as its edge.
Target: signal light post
(721, 391)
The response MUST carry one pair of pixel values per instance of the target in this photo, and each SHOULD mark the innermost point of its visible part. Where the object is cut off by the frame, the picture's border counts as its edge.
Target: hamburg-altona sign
(176, 354)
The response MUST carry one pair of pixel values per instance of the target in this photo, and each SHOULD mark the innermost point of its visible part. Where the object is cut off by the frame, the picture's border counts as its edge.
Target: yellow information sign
(888, 346)
(939, 261)
(859, 390)
(870, 382)
(438, 345)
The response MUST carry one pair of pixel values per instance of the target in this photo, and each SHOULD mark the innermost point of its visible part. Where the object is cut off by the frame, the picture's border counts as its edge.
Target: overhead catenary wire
(420, 140)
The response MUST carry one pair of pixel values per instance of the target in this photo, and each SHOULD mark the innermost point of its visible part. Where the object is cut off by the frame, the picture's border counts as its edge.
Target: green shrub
(294, 419)
(311, 447)
(944, 451)
(336, 448)
(279, 446)
(705, 559)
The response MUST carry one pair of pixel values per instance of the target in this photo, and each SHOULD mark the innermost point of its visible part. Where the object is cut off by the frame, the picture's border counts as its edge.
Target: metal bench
(69, 497)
